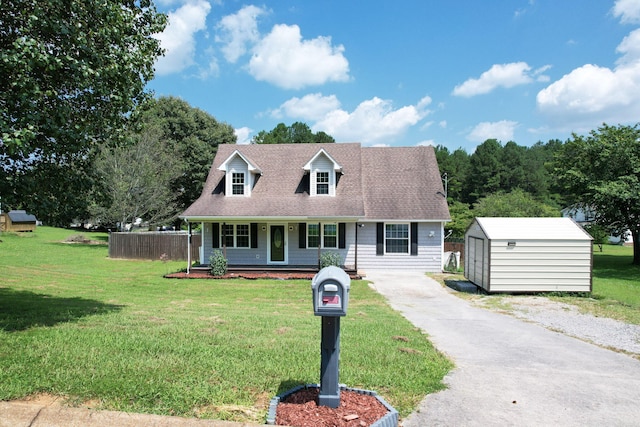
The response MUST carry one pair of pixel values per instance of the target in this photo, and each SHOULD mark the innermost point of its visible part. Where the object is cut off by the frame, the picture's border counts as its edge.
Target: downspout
(189, 244)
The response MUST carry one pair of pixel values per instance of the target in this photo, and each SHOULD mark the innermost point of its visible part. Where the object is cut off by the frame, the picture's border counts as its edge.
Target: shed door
(476, 260)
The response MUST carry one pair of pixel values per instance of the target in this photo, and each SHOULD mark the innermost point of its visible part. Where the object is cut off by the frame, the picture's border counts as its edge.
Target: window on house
(242, 235)
(324, 235)
(397, 238)
(237, 183)
(227, 235)
(235, 236)
(313, 235)
(322, 182)
(330, 235)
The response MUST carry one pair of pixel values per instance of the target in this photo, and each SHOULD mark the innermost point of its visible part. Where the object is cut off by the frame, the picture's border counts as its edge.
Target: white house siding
(429, 258)
(540, 266)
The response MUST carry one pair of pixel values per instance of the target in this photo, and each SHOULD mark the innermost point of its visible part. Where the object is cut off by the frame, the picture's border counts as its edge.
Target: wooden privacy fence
(153, 245)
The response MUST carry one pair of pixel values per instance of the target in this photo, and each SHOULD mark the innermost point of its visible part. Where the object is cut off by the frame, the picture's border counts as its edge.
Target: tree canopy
(601, 171)
(297, 133)
(192, 135)
(70, 75)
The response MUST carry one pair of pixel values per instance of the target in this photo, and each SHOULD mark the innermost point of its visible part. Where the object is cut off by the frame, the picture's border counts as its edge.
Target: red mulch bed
(243, 275)
(284, 275)
(301, 410)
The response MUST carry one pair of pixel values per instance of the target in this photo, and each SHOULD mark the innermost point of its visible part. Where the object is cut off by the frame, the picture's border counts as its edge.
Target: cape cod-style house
(284, 204)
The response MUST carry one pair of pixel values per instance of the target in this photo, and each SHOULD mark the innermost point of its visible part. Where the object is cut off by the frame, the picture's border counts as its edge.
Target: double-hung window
(235, 235)
(322, 183)
(396, 238)
(313, 235)
(327, 234)
(237, 183)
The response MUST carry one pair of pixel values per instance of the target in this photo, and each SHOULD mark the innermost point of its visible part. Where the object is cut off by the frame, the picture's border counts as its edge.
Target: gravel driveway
(513, 371)
(567, 319)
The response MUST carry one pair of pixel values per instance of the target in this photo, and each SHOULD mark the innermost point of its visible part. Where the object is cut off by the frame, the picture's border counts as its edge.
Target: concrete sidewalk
(509, 372)
(17, 414)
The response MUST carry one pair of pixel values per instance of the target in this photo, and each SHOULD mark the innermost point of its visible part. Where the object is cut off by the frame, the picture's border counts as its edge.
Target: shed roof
(21, 217)
(532, 229)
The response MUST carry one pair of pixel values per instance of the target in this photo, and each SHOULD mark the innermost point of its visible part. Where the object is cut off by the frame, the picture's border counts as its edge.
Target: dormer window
(240, 175)
(322, 183)
(322, 169)
(237, 184)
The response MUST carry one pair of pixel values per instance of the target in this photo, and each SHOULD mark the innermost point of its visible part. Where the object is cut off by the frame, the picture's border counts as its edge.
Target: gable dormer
(322, 170)
(240, 175)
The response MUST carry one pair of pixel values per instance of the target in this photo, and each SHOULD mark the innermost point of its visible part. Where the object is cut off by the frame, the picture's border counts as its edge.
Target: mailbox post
(330, 289)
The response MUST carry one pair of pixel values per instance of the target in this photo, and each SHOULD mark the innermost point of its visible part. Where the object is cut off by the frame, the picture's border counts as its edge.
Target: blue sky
(407, 73)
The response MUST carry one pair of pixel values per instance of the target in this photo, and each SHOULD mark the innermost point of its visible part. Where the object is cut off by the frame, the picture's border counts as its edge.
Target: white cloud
(428, 142)
(499, 75)
(178, 38)
(590, 95)
(313, 106)
(502, 131)
(242, 135)
(374, 121)
(238, 31)
(628, 11)
(282, 58)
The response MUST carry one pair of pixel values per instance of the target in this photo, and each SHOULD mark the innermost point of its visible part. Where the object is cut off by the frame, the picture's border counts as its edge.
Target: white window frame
(241, 186)
(408, 238)
(321, 235)
(323, 182)
(234, 233)
(330, 183)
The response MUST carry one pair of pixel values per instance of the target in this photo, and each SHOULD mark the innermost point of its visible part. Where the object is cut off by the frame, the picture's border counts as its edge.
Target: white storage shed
(528, 255)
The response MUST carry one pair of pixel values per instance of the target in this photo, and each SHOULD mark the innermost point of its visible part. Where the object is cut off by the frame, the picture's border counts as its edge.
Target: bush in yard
(218, 263)
(330, 258)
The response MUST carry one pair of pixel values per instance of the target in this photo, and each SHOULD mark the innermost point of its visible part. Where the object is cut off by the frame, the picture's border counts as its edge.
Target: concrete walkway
(13, 414)
(509, 372)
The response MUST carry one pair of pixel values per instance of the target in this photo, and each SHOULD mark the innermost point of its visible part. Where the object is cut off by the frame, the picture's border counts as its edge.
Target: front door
(278, 244)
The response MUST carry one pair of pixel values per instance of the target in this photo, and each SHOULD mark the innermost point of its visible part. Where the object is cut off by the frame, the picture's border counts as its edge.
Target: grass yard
(114, 334)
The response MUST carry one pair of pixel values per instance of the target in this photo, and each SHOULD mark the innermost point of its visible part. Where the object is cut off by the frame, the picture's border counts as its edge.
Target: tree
(456, 167)
(192, 135)
(135, 180)
(514, 204)
(484, 172)
(602, 172)
(70, 74)
(461, 217)
(297, 133)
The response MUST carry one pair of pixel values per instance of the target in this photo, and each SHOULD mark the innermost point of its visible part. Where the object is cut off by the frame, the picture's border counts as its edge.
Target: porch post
(319, 243)
(224, 239)
(356, 255)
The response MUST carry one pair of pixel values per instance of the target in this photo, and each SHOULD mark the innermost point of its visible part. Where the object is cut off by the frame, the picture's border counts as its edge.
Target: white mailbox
(330, 288)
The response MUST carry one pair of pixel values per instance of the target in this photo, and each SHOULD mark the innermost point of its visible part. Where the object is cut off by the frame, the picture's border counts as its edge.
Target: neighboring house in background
(17, 221)
(285, 204)
(587, 216)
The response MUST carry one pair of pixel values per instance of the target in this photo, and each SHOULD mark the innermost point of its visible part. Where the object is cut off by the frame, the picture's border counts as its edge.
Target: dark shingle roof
(21, 217)
(376, 183)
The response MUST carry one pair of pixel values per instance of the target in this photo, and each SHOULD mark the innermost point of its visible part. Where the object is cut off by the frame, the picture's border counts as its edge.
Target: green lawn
(116, 335)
